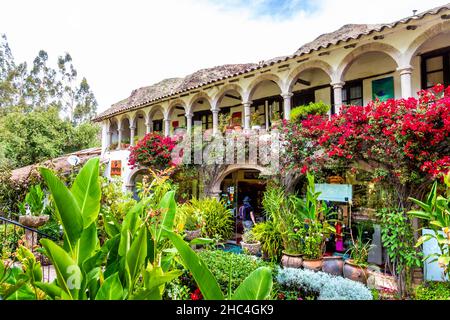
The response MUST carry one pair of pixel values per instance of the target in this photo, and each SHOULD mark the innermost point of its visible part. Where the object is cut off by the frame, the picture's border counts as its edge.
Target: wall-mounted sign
(116, 168)
(335, 192)
(383, 89)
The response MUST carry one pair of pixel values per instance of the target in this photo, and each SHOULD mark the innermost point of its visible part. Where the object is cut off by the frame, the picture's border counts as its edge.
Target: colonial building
(352, 65)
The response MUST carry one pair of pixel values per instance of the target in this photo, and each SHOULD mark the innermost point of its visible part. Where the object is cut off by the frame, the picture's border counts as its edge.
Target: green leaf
(129, 227)
(50, 289)
(424, 239)
(257, 286)
(111, 289)
(87, 244)
(137, 254)
(420, 215)
(169, 208)
(68, 273)
(203, 277)
(87, 192)
(68, 209)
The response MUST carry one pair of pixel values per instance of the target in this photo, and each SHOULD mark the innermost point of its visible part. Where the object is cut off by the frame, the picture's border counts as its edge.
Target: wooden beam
(233, 97)
(304, 82)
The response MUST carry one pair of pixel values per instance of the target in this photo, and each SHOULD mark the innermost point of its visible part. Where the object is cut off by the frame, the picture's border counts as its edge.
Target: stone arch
(356, 53)
(154, 110)
(314, 64)
(177, 103)
(415, 45)
(250, 90)
(195, 98)
(215, 189)
(217, 99)
(130, 183)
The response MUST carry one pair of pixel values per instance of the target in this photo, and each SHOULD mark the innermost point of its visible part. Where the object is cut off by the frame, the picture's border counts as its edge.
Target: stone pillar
(119, 131)
(337, 87)
(247, 115)
(189, 117)
(215, 121)
(132, 134)
(149, 126)
(166, 127)
(405, 79)
(287, 105)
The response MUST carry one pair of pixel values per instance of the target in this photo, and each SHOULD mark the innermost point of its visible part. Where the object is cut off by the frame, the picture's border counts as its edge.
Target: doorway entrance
(238, 185)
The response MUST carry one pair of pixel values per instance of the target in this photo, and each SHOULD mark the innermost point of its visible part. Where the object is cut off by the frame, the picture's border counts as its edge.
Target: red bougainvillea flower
(196, 295)
(153, 150)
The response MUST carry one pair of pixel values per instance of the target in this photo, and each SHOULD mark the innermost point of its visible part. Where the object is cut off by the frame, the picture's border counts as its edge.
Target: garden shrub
(217, 219)
(221, 263)
(433, 291)
(323, 285)
(314, 108)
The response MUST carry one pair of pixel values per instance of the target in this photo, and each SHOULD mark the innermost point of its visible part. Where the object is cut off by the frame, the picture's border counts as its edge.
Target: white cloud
(122, 45)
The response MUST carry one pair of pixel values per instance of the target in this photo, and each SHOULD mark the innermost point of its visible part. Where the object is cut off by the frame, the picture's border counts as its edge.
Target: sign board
(335, 192)
(432, 270)
(116, 168)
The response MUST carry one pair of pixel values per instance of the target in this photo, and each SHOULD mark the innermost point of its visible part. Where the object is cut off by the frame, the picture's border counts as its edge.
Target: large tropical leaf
(257, 286)
(111, 289)
(87, 244)
(67, 271)
(203, 277)
(68, 209)
(137, 254)
(129, 227)
(168, 207)
(87, 192)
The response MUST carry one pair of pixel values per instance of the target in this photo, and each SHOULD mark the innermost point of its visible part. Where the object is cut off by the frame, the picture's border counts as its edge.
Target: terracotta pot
(191, 235)
(333, 266)
(292, 260)
(252, 248)
(313, 265)
(355, 272)
(32, 221)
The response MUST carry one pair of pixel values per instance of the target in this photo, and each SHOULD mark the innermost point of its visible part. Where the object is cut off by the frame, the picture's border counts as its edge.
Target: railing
(13, 234)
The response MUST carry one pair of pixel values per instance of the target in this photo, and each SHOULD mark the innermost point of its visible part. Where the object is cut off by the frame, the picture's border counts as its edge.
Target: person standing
(247, 214)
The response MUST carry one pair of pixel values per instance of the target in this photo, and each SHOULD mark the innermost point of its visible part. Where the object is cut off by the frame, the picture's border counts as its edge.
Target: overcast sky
(123, 45)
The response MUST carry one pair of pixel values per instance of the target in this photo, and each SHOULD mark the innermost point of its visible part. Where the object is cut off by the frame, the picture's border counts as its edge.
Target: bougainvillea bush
(154, 151)
(402, 142)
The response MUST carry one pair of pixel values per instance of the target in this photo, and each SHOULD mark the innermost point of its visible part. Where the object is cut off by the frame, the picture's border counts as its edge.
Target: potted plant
(250, 243)
(193, 222)
(313, 247)
(355, 268)
(254, 120)
(270, 237)
(333, 265)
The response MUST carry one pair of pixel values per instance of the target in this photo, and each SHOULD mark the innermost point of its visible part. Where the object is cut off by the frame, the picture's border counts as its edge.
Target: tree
(28, 138)
(405, 143)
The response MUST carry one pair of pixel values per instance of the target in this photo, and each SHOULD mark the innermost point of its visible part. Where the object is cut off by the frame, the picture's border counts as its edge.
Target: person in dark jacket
(247, 214)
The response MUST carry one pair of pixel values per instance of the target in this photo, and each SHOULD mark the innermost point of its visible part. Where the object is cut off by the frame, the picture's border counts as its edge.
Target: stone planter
(333, 266)
(192, 234)
(32, 222)
(313, 265)
(380, 281)
(252, 248)
(355, 272)
(292, 260)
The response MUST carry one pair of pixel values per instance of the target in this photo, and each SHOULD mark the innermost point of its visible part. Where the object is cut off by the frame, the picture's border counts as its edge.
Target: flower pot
(252, 248)
(292, 260)
(192, 234)
(313, 265)
(333, 266)
(354, 272)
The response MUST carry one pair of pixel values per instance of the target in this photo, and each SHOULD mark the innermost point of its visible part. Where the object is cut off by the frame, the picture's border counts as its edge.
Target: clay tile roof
(59, 164)
(170, 87)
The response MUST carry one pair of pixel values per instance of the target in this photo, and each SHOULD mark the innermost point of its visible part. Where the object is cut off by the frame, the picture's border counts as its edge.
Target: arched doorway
(243, 183)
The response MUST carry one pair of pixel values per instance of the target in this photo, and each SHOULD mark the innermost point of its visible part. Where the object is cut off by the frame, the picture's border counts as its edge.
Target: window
(205, 117)
(158, 126)
(436, 68)
(352, 94)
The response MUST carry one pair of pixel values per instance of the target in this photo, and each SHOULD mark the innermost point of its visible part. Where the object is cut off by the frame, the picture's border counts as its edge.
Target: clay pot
(333, 266)
(355, 272)
(252, 248)
(32, 221)
(292, 260)
(191, 235)
(313, 265)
